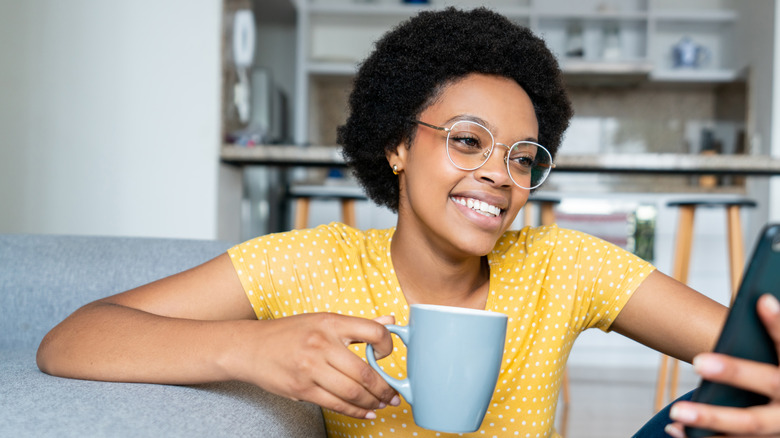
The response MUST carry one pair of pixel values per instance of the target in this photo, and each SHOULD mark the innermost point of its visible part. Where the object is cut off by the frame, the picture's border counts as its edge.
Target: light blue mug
(453, 360)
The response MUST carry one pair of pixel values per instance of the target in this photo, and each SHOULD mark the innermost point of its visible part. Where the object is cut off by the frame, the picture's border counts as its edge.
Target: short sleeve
(299, 271)
(606, 276)
(246, 257)
(278, 271)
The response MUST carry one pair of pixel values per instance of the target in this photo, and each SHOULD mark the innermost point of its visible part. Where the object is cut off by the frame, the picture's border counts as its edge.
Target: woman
(454, 120)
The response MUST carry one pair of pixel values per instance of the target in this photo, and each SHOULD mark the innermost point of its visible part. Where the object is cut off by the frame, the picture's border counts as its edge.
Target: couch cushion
(36, 404)
(44, 278)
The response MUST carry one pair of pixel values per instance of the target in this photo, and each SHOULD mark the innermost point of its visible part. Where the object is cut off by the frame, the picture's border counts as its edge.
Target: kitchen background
(631, 100)
(113, 114)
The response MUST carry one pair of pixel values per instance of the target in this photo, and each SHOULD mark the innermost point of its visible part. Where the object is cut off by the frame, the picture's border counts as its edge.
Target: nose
(494, 170)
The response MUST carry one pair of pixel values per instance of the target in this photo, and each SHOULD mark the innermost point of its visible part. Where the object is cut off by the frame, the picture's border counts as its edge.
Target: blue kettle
(688, 54)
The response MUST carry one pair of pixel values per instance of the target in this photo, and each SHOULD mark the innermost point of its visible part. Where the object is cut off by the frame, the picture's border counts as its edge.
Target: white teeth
(480, 206)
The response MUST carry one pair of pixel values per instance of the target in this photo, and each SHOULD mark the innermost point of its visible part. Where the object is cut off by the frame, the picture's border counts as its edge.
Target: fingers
(755, 421)
(334, 387)
(359, 383)
(769, 311)
(339, 391)
(675, 430)
(761, 378)
(758, 377)
(326, 400)
(304, 357)
(353, 387)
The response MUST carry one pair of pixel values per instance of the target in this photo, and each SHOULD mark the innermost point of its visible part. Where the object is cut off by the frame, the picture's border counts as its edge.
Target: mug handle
(402, 386)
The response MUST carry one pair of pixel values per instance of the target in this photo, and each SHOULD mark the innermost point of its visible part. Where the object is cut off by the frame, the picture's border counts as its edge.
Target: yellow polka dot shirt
(552, 283)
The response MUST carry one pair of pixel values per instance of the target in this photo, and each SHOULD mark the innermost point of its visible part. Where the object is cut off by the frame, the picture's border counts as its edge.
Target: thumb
(383, 349)
(385, 319)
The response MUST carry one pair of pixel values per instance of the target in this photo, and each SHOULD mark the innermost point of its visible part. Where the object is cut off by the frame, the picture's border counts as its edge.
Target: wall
(760, 43)
(774, 185)
(109, 113)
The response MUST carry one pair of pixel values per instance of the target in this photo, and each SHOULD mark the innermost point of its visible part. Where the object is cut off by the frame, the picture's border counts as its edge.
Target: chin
(478, 245)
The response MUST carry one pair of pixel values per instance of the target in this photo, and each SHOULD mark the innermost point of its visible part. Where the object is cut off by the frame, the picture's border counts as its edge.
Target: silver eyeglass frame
(490, 151)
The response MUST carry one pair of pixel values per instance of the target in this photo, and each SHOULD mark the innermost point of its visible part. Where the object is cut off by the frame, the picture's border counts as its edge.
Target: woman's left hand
(762, 378)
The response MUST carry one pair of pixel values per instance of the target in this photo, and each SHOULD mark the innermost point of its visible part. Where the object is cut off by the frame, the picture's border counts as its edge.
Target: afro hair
(413, 62)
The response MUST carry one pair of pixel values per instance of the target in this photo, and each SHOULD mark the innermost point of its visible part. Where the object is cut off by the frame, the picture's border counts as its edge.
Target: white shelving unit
(334, 35)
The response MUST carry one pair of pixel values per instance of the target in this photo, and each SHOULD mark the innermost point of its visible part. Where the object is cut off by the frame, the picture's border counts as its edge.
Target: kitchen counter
(646, 177)
(675, 164)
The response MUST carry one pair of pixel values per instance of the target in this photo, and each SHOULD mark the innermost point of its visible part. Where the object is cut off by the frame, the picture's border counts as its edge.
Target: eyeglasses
(469, 146)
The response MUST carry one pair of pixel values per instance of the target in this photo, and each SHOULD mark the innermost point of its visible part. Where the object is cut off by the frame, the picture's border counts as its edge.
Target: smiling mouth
(480, 207)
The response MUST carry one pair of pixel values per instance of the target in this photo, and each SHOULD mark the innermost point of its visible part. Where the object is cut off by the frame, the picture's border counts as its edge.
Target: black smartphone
(744, 335)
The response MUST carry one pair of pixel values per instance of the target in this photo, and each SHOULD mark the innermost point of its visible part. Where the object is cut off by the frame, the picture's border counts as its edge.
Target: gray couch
(45, 278)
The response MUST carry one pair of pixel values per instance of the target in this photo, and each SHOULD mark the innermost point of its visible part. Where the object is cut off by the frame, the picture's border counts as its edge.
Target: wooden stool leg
(548, 213)
(660, 385)
(301, 213)
(528, 215)
(736, 248)
(682, 251)
(674, 381)
(348, 212)
(682, 260)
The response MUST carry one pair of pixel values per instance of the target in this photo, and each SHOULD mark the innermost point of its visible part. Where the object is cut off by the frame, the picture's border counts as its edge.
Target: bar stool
(347, 195)
(682, 259)
(545, 203)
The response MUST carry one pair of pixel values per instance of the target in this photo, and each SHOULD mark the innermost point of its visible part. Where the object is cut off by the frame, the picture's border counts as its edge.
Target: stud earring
(395, 169)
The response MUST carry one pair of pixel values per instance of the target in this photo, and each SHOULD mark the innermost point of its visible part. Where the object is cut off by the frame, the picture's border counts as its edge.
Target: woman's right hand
(306, 357)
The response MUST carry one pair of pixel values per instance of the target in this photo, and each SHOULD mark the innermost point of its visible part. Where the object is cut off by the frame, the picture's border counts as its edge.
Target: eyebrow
(483, 122)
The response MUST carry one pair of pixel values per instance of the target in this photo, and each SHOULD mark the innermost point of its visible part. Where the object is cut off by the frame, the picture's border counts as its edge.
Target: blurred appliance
(269, 109)
(243, 56)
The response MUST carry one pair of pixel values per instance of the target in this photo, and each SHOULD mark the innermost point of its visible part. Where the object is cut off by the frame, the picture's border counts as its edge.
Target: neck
(430, 276)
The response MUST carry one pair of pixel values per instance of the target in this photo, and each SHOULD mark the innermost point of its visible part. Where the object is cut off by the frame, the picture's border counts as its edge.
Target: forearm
(104, 341)
(303, 357)
(672, 318)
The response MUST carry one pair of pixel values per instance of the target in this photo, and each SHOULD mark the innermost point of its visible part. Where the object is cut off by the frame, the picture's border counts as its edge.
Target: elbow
(60, 349)
(55, 354)
(45, 358)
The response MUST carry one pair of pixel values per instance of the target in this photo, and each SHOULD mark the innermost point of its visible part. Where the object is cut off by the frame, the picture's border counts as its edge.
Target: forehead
(500, 102)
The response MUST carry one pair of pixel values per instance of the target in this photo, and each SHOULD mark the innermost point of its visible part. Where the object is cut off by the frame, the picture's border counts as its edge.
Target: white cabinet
(713, 29)
(612, 37)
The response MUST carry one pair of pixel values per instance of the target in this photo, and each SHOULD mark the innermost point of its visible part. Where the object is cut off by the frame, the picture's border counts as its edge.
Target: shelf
(342, 68)
(637, 67)
(694, 75)
(593, 16)
(569, 66)
(711, 16)
(353, 9)
(640, 68)
(396, 9)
